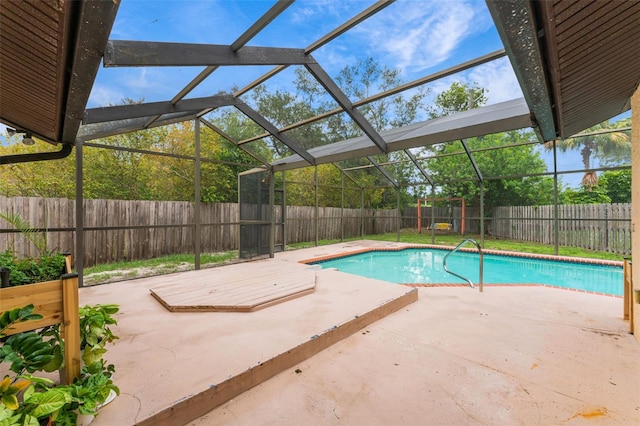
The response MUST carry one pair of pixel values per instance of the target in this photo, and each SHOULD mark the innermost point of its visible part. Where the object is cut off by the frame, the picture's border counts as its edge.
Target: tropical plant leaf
(16, 315)
(56, 361)
(27, 351)
(10, 401)
(49, 401)
(36, 238)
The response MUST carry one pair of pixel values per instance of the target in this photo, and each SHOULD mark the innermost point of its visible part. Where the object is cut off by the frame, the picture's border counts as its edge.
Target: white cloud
(500, 80)
(115, 84)
(137, 80)
(102, 95)
(419, 35)
(497, 77)
(303, 14)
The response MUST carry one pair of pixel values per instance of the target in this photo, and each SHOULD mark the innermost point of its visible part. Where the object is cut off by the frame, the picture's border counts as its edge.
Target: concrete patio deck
(511, 355)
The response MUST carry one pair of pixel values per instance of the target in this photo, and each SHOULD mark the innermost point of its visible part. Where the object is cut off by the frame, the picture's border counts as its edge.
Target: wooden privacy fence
(336, 223)
(602, 227)
(118, 230)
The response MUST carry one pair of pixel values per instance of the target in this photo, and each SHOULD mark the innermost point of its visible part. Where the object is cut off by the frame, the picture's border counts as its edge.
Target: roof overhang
(50, 52)
(577, 62)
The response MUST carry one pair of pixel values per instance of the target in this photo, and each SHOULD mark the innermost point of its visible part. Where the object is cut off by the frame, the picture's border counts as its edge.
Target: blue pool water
(425, 266)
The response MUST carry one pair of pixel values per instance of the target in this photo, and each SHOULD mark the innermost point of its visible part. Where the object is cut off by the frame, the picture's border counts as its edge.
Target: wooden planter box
(57, 302)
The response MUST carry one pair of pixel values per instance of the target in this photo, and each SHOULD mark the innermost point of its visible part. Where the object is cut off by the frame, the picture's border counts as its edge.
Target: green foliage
(95, 331)
(358, 81)
(29, 270)
(455, 175)
(36, 238)
(28, 352)
(594, 195)
(15, 316)
(498, 165)
(87, 393)
(459, 97)
(26, 271)
(40, 399)
(617, 185)
(26, 399)
(54, 179)
(605, 141)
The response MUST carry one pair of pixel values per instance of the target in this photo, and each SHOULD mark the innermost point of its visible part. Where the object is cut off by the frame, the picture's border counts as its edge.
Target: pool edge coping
(569, 259)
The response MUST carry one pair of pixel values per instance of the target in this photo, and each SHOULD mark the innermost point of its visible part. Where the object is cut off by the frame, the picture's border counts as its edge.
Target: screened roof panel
(490, 119)
(566, 56)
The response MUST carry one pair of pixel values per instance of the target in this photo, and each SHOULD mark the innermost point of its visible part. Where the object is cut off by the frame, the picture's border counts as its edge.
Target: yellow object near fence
(441, 226)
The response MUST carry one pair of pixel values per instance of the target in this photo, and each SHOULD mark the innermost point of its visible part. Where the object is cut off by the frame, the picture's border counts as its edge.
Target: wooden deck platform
(237, 288)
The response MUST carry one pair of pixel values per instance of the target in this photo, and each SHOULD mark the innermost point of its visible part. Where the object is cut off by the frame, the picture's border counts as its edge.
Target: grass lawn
(118, 271)
(409, 235)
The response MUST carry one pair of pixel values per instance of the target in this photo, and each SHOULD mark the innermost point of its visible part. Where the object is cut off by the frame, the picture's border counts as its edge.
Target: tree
(454, 173)
(592, 195)
(617, 185)
(282, 109)
(123, 174)
(459, 97)
(49, 179)
(176, 176)
(601, 141)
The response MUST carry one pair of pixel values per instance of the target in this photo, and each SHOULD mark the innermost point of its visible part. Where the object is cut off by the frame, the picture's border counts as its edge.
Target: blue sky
(418, 37)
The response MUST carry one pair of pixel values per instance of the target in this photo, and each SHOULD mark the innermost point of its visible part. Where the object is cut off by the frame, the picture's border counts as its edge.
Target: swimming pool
(424, 266)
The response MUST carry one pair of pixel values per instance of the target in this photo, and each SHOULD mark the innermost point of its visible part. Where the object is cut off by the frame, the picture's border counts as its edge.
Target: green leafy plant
(15, 316)
(95, 332)
(27, 271)
(48, 266)
(88, 392)
(26, 399)
(29, 352)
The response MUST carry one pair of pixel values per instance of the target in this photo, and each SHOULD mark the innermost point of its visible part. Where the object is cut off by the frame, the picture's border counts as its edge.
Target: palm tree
(605, 140)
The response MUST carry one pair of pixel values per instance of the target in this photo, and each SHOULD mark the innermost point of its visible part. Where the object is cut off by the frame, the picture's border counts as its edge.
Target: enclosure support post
(635, 210)
(361, 212)
(284, 210)
(399, 217)
(482, 213)
(433, 214)
(315, 180)
(341, 205)
(197, 191)
(272, 213)
(556, 211)
(79, 215)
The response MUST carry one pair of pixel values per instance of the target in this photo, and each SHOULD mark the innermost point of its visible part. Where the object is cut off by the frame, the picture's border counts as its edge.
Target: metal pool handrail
(444, 262)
